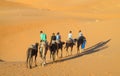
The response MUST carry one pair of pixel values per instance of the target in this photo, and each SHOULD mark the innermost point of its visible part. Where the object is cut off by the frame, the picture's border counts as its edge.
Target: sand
(99, 20)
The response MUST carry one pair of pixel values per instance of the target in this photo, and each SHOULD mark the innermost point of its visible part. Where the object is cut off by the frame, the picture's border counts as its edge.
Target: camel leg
(43, 61)
(81, 50)
(41, 52)
(61, 52)
(57, 53)
(50, 55)
(78, 50)
(44, 56)
(27, 61)
(35, 60)
(30, 62)
(71, 50)
(53, 57)
(28, 57)
(67, 51)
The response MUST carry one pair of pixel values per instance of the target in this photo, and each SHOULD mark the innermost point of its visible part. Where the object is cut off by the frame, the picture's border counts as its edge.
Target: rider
(43, 37)
(53, 39)
(79, 34)
(58, 38)
(70, 39)
(82, 38)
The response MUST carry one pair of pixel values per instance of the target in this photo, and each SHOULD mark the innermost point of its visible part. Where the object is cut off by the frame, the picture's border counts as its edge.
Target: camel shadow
(95, 48)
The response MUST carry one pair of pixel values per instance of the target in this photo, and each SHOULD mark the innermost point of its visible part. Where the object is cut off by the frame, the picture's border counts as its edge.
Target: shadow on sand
(95, 48)
(2, 60)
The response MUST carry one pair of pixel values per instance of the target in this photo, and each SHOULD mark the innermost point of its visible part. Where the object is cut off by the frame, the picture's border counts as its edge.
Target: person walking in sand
(81, 42)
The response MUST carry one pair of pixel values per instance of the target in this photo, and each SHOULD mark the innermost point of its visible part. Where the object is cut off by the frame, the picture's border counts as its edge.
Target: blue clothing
(83, 44)
(58, 37)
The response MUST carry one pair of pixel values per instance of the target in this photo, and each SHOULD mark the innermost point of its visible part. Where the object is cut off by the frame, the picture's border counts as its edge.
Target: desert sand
(22, 20)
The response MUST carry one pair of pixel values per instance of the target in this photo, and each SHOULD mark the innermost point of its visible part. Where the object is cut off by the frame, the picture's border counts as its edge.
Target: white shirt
(70, 35)
(79, 34)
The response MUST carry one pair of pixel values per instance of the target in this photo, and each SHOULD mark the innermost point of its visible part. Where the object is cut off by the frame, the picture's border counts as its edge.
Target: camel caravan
(54, 46)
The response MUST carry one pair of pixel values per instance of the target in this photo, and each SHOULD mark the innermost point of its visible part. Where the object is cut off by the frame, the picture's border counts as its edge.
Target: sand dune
(75, 5)
(5, 4)
(99, 20)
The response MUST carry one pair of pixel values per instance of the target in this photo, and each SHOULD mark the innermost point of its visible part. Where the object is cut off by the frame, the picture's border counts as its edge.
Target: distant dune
(75, 5)
(4, 4)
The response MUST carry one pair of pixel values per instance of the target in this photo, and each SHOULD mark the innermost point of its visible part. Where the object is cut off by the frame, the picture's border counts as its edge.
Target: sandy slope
(19, 28)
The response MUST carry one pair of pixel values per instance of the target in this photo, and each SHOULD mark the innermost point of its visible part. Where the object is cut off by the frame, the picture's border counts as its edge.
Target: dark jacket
(52, 38)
